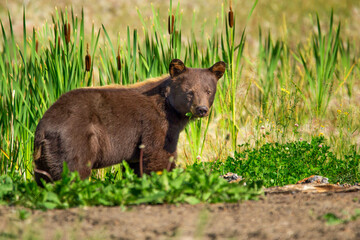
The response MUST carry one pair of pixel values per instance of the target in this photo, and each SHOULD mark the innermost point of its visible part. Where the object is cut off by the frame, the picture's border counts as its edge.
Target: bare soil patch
(275, 216)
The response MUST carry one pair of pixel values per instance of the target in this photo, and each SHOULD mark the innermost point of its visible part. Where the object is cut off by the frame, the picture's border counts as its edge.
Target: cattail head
(36, 41)
(118, 60)
(87, 59)
(231, 18)
(67, 32)
(171, 23)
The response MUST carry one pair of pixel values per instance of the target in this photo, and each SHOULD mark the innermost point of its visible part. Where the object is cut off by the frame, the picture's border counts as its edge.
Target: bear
(96, 127)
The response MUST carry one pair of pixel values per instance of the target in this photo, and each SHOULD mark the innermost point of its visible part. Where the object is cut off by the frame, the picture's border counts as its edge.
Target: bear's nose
(201, 111)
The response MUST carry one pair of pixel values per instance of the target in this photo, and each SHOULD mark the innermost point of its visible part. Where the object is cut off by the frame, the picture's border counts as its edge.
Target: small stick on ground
(171, 160)
(141, 159)
(44, 173)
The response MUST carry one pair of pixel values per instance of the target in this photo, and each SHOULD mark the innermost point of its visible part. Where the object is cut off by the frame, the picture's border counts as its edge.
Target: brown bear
(96, 127)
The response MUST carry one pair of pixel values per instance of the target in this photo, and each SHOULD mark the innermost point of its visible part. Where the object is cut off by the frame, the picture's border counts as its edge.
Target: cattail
(36, 41)
(231, 18)
(171, 24)
(87, 60)
(118, 60)
(67, 32)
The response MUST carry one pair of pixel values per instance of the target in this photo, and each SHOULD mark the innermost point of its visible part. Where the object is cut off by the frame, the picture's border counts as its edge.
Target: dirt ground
(275, 216)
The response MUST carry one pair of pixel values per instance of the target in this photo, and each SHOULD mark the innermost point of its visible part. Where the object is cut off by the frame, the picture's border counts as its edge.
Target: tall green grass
(320, 76)
(289, 86)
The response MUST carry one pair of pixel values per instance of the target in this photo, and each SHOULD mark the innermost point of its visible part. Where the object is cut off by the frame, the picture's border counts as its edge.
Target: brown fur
(93, 128)
(135, 85)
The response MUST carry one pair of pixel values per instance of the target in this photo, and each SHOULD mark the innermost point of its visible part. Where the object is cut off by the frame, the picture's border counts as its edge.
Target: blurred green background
(270, 15)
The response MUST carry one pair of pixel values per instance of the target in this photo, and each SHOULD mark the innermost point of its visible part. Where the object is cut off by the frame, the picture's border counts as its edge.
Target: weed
(333, 219)
(193, 185)
(280, 164)
(23, 214)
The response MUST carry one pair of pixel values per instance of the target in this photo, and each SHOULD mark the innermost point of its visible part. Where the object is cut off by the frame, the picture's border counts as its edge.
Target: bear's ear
(218, 69)
(176, 67)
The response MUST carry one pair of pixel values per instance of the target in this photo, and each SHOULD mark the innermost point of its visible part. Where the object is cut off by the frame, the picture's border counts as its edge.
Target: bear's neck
(176, 124)
(179, 121)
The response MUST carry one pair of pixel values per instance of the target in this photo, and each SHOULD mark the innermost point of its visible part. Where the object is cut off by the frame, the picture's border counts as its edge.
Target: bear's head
(193, 89)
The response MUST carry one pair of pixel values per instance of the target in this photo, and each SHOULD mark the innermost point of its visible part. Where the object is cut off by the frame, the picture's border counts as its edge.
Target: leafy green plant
(194, 185)
(280, 164)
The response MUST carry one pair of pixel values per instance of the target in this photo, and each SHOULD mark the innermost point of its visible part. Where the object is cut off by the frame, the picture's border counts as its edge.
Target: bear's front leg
(158, 145)
(158, 161)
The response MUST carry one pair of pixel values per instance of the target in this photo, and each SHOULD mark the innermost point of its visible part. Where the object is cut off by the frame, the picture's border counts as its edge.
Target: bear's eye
(208, 92)
(190, 93)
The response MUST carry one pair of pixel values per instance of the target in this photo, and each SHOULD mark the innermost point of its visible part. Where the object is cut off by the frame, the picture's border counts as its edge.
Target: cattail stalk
(56, 34)
(171, 24)
(55, 30)
(87, 60)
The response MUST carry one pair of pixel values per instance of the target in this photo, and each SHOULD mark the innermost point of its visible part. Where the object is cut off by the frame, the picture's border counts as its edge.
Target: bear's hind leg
(48, 156)
(86, 150)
